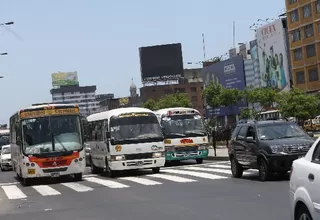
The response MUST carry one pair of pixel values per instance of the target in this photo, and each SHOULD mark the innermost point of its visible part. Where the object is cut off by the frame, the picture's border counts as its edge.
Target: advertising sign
(161, 62)
(49, 112)
(230, 74)
(65, 79)
(273, 57)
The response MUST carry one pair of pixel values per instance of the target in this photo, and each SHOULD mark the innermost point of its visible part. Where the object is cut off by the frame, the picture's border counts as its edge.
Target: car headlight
(118, 158)
(277, 149)
(170, 149)
(157, 154)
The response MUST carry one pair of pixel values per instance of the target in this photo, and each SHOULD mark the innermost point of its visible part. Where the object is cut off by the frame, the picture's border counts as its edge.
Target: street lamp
(3, 54)
(1, 77)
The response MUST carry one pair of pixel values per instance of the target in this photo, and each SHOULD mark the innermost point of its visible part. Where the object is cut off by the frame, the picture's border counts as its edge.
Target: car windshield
(6, 150)
(135, 129)
(51, 134)
(280, 131)
(183, 126)
(4, 140)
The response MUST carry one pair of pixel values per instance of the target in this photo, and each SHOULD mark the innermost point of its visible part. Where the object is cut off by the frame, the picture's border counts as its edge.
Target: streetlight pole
(7, 23)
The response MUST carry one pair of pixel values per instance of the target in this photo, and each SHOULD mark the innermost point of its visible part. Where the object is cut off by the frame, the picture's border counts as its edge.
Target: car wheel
(199, 160)
(94, 169)
(264, 170)
(78, 177)
(236, 169)
(303, 214)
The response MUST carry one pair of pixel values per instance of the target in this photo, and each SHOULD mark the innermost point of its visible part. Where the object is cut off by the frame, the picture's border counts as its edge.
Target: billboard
(273, 56)
(64, 79)
(161, 62)
(230, 74)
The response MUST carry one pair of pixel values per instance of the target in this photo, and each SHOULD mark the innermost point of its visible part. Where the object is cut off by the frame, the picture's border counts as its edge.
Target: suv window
(243, 132)
(235, 132)
(251, 132)
(316, 154)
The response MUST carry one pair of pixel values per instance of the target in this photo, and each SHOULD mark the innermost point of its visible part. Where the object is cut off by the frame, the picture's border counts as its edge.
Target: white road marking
(46, 190)
(196, 174)
(6, 184)
(142, 181)
(77, 187)
(208, 170)
(13, 192)
(219, 166)
(216, 170)
(172, 178)
(108, 183)
(89, 175)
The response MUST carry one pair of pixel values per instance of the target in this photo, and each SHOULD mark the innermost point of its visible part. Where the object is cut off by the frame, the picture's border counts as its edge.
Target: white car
(305, 185)
(5, 159)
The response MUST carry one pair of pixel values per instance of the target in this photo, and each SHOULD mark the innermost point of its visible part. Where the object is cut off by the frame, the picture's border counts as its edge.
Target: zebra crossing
(179, 174)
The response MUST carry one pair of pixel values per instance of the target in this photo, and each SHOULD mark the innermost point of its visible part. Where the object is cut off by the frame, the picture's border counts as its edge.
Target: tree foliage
(297, 103)
(168, 101)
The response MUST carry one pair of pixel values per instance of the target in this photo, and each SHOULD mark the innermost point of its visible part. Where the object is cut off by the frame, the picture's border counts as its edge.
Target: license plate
(55, 174)
(31, 171)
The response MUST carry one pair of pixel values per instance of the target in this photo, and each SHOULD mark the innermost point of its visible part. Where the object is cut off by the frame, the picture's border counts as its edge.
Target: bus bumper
(137, 164)
(186, 155)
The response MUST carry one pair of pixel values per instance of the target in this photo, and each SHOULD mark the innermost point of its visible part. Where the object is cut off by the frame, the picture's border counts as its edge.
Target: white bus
(269, 115)
(47, 141)
(185, 134)
(125, 139)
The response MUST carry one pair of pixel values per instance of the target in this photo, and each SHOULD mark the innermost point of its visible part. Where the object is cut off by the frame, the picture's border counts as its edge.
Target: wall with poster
(230, 74)
(273, 57)
(65, 79)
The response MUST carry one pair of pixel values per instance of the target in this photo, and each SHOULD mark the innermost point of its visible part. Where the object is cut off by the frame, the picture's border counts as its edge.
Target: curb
(218, 158)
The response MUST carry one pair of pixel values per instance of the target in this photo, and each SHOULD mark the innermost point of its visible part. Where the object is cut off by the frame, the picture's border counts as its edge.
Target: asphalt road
(186, 192)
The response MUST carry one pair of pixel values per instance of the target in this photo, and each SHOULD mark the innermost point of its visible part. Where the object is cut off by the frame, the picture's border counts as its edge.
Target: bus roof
(270, 111)
(116, 112)
(166, 110)
(48, 105)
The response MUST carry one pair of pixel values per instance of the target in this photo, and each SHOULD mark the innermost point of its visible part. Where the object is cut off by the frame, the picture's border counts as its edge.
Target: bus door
(105, 149)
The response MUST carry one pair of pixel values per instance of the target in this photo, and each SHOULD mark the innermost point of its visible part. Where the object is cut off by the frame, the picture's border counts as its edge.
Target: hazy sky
(100, 40)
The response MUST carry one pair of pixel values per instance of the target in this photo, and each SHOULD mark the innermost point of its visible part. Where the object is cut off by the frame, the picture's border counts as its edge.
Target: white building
(83, 96)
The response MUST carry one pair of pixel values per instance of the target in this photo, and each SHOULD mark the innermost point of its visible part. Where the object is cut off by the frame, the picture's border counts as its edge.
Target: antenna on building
(203, 48)
(234, 34)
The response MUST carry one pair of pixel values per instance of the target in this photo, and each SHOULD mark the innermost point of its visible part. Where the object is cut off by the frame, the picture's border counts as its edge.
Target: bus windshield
(183, 126)
(136, 129)
(51, 134)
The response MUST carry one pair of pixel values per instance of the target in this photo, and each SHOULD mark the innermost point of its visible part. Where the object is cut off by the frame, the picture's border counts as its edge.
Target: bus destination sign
(48, 112)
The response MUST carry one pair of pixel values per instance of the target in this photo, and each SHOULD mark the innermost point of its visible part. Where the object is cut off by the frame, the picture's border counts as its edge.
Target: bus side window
(105, 129)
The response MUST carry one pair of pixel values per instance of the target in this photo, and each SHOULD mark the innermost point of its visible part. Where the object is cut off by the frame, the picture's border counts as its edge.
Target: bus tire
(26, 181)
(78, 177)
(199, 160)
(156, 170)
(94, 169)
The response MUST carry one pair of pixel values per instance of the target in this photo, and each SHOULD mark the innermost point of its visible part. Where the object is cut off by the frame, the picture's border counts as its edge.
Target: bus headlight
(118, 158)
(157, 155)
(203, 146)
(170, 149)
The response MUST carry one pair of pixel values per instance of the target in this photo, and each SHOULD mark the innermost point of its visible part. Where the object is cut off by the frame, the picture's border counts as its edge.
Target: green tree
(212, 94)
(247, 113)
(297, 103)
(168, 101)
(150, 104)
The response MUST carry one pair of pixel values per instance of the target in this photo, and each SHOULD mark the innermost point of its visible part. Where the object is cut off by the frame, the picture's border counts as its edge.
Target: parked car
(305, 185)
(5, 160)
(269, 146)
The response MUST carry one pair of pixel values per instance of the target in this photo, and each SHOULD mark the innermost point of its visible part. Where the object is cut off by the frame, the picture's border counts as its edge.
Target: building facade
(83, 96)
(304, 38)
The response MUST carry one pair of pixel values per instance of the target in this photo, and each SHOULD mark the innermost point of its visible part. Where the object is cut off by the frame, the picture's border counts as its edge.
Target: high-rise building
(304, 37)
(84, 96)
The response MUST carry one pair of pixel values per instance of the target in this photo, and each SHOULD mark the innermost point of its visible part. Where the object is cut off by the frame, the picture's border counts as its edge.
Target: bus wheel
(78, 176)
(26, 181)
(94, 169)
(110, 173)
(156, 170)
(199, 160)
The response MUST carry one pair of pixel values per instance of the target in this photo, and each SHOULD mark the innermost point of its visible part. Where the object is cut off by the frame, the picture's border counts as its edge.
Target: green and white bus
(184, 133)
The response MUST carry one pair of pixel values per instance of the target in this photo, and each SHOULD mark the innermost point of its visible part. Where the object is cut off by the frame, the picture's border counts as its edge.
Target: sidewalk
(222, 153)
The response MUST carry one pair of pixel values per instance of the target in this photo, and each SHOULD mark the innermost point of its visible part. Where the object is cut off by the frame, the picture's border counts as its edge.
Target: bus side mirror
(108, 134)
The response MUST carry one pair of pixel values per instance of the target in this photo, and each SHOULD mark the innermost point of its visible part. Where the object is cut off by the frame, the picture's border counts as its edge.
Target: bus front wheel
(156, 170)
(78, 176)
(199, 160)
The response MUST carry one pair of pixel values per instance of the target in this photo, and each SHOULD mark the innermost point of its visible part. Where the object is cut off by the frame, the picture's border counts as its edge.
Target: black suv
(269, 146)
